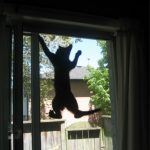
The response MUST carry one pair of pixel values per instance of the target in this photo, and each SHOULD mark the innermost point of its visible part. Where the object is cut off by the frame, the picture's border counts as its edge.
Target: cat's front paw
(79, 53)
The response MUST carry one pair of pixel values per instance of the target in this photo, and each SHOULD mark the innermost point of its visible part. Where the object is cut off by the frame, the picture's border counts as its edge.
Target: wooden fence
(54, 136)
(83, 139)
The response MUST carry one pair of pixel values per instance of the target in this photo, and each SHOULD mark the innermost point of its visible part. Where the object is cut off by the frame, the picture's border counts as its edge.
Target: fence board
(85, 139)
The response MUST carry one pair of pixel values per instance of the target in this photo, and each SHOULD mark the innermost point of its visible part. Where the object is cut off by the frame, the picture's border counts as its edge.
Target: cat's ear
(65, 48)
(64, 51)
(60, 47)
(68, 49)
(59, 50)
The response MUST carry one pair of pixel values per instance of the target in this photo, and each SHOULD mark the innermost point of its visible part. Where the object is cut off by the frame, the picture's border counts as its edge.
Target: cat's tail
(80, 113)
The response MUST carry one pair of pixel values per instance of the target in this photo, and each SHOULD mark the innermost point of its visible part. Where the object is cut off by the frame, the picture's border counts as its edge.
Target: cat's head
(62, 58)
(64, 51)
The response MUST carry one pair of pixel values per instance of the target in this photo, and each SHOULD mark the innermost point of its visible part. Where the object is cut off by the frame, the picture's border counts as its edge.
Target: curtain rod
(30, 13)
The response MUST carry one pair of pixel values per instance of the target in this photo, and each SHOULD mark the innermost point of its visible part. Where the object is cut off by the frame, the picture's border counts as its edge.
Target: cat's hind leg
(53, 114)
(57, 107)
(72, 105)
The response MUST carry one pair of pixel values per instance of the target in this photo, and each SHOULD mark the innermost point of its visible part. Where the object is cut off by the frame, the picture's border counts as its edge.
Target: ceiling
(113, 9)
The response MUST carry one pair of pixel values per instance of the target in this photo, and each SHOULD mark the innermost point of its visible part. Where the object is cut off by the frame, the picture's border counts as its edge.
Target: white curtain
(129, 89)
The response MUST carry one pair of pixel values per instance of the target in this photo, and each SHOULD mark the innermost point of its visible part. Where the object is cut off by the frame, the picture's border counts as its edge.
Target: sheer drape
(129, 80)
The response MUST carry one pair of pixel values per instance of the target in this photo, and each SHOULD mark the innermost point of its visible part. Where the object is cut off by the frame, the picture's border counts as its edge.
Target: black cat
(63, 95)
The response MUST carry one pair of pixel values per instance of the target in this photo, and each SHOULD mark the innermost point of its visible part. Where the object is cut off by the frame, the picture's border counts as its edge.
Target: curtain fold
(129, 85)
(4, 83)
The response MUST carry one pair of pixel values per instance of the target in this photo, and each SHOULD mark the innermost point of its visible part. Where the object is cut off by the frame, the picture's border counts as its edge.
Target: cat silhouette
(64, 97)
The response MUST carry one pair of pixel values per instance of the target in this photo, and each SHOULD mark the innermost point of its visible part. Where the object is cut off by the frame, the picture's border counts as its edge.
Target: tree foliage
(27, 66)
(103, 62)
(98, 82)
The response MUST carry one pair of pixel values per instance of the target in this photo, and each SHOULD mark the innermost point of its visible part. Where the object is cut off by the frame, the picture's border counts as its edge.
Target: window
(28, 61)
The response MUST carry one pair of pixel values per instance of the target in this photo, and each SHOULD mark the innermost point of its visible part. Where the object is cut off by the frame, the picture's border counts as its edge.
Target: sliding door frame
(35, 25)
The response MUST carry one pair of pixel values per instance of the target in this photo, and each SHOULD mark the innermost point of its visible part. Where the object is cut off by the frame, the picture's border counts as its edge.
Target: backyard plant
(98, 84)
